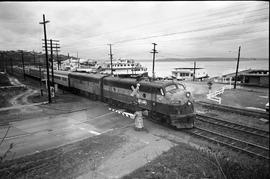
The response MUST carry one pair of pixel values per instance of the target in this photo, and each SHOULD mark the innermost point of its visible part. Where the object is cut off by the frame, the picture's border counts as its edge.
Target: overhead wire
(181, 21)
(159, 22)
(187, 31)
(125, 40)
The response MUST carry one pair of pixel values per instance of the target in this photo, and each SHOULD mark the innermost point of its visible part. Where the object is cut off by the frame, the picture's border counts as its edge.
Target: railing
(213, 96)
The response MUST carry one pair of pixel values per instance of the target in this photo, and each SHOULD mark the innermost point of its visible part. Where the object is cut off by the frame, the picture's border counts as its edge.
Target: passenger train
(164, 100)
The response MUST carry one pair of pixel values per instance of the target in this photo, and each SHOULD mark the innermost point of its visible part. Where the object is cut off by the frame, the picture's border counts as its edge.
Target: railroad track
(242, 111)
(236, 144)
(232, 125)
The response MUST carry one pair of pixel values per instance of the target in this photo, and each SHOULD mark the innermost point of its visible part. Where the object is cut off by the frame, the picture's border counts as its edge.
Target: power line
(217, 26)
(133, 27)
(188, 17)
(187, 31)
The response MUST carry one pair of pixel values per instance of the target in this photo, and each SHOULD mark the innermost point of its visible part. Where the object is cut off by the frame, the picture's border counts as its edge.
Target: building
(255, 78)
(187, 73)
(250, 77)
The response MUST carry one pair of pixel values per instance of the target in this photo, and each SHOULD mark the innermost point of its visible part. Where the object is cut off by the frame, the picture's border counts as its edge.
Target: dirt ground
(4, 81)
(75, 137)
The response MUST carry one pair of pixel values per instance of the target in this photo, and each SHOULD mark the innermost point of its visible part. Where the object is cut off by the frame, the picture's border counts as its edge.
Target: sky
(180, 29)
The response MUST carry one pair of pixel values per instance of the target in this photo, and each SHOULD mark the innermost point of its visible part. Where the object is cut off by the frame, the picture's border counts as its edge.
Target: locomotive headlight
(188, 94)
(189, 103)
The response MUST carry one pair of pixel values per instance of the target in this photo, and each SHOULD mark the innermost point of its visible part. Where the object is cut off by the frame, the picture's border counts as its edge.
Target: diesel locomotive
(164, 100)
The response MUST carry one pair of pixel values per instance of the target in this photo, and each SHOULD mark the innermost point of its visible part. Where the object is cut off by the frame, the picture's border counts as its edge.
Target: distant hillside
(28, 56)
(207, 59)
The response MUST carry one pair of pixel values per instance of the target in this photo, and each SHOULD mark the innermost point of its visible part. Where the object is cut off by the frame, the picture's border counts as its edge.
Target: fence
(213, 96)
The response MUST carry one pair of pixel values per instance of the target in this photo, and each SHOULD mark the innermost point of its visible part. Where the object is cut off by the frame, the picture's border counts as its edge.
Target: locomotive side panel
(60, 79)
(34, 72)
(88, 83)
(117, 90)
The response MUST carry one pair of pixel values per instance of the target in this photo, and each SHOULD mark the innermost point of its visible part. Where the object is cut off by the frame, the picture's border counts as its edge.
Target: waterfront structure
(250, 77)
(255, 78)
(124, 67)
(187, 73)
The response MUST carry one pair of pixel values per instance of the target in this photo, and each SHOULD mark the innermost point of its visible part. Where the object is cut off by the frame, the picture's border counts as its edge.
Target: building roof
(254, 75)
(187, 68)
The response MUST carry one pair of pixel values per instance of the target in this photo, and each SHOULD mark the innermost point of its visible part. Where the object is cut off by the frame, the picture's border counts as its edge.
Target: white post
(56, 87)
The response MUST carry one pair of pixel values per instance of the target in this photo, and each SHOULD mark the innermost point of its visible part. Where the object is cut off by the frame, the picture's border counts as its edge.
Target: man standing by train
(138, 117)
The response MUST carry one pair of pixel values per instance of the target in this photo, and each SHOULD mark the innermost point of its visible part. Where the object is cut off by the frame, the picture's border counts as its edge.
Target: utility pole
(52, 62)
(58, 62)
(2, 60)
(53, 48)
(154, 56)
(4, 63)
(5, 60)
(111, 56)
(194, 71)
(235, 78)
(23, 66)
(34, 58)
(39, 66)
(40, 82)
(11, 66)
(78, 60)
(47, 63)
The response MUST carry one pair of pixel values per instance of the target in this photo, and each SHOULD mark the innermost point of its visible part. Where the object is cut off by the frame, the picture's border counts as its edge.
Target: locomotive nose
(181, 96)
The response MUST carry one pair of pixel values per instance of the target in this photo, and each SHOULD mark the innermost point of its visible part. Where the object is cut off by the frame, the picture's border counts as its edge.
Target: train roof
(155, 84)
(86, 75)
(61, 72)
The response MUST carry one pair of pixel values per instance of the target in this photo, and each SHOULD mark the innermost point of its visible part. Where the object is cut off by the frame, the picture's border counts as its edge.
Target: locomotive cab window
(181, 86)
(161, 92)
(171, 88)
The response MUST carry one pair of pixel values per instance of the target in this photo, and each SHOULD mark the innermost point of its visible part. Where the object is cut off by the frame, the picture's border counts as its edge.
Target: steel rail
(232, 144)
(241, 111)
(232, 125)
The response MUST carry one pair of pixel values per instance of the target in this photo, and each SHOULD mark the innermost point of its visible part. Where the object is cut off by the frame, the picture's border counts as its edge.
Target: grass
(68, 161)
(6, 95)
(4, 81)
(183, 161)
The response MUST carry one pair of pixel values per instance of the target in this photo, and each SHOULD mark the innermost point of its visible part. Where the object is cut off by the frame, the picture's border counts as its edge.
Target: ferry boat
(124, 68)
(188, 73)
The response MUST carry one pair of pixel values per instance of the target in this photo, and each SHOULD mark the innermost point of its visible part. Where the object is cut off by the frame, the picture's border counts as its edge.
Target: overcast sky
(181, 29)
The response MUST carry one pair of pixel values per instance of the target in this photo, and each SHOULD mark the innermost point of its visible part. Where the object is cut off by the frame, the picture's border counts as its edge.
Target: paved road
(41, 133)
(52, 125)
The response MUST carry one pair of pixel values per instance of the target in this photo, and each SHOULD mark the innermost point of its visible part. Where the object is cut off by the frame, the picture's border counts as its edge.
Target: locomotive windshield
(171, 88)
(181, 86)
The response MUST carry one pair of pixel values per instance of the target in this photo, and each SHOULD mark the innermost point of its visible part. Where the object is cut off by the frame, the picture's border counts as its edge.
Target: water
(213, 68)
